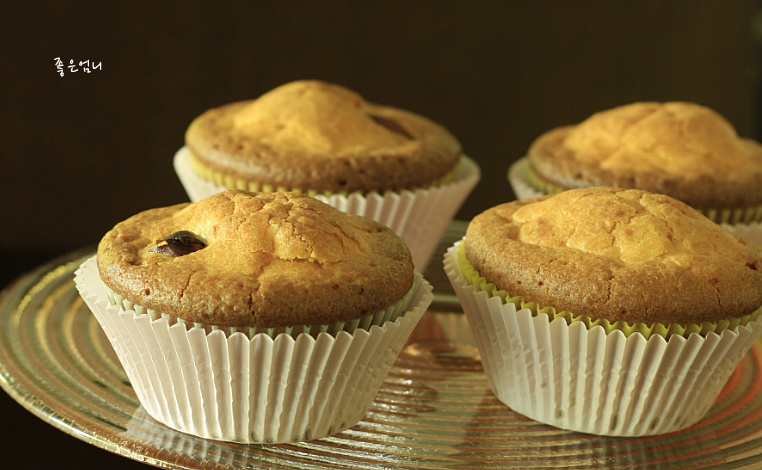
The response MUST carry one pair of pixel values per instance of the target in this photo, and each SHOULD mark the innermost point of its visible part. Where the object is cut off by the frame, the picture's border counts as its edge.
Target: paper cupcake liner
(250, 390)
(364, 322)
(751, 231)
(473, 277)
(519, 177)
(586, 380)
(418, 216)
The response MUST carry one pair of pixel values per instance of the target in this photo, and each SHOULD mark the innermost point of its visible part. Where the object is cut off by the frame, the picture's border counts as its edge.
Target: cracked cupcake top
(265, 260)
(314, 135)
(681, 149)
(617, 254)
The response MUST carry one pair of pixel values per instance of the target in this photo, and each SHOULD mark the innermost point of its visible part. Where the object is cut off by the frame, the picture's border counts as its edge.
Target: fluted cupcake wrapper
(251, 390)
(751, 231)
(364, 322)
(418, 216)
(517, 177)
(581, 379)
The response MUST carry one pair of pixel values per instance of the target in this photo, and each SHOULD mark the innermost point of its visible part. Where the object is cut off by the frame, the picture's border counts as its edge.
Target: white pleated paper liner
(751, 231)
(258, 390)
(419, 216)
(581, 379)
(517, 177)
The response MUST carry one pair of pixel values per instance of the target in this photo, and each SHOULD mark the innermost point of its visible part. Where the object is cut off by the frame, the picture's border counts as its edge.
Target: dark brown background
(83, 151)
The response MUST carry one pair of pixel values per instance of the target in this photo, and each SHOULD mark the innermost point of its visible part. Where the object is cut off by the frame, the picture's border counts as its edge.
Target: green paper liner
(540, 184)
(364, 322)
(473, 277)
(741, 215)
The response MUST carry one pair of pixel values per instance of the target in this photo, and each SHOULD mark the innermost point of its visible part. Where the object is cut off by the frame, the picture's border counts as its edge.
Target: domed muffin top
(309, 134)
(619, 255)
(264, 259)
(681, 149)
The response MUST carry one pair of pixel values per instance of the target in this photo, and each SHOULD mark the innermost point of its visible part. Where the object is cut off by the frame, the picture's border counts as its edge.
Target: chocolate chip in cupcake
(256, 260)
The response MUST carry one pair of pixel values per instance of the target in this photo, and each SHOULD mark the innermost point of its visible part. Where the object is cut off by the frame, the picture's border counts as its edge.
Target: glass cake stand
(434, 411)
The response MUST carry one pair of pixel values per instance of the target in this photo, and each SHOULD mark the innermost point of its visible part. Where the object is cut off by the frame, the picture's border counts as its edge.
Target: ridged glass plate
(434, 411)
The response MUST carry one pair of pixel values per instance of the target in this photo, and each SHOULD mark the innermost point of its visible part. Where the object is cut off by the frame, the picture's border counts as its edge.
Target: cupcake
(607, 311)
(254, 318)
(394, 166)
(683, 150)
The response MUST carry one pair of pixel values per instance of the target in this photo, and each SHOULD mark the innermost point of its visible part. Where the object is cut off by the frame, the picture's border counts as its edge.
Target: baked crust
(680, 149)
(312, 135)
(617, 254)
(271, 259)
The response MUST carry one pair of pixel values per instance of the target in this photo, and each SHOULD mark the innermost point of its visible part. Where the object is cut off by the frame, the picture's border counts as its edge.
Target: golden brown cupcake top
(265, 260)
(681, 149)
(617, 254)
(314, 135)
